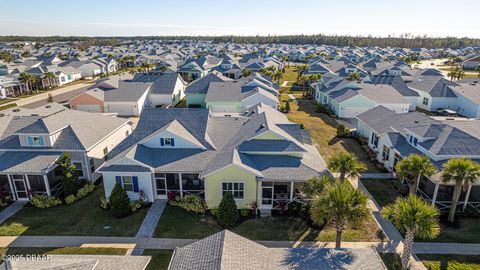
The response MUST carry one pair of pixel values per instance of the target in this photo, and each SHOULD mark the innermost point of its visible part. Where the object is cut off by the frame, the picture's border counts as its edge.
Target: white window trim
(123, 182)
(77, 169)
(233, 181)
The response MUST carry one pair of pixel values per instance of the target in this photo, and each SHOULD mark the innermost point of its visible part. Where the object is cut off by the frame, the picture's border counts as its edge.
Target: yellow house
(258, 156)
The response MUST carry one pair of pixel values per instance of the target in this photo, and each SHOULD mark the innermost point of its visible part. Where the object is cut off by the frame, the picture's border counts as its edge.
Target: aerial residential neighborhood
(209, 135)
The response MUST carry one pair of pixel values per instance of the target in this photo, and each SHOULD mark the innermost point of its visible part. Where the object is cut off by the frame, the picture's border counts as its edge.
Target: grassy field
(450, 262)
(7, 100)
(384, 191)
(323, 132)
(160, 259)
(8, 106)
(467, 233)
(178, 223)
(84, 217)
(391, 261)
(64, 250)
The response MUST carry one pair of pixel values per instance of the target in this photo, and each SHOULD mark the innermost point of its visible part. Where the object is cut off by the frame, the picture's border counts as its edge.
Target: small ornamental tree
(70, 178)
(227, 211)
(119, 202)
(287, 107)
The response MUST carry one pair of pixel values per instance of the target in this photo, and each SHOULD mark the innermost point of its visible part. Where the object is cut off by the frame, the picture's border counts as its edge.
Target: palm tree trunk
(341, 177)
(407, 249)
(414, 186)
(338, 239)
(456, 196)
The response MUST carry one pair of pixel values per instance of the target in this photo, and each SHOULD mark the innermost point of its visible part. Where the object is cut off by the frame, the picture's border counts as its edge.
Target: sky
(437, 18)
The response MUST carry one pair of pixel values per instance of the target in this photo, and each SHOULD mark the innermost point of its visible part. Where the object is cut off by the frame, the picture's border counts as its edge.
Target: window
(236, 188)
(127, 133)
(415, 141)
(127, 183)
(35, 140)
(425, 101)
(78, 169)
(374, 140)
(167, 142)
(92, 165)
(385, 153)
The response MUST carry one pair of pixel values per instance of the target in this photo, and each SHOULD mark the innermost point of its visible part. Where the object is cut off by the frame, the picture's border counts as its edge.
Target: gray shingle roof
(228, 251)
(27, 161)
(200, 86)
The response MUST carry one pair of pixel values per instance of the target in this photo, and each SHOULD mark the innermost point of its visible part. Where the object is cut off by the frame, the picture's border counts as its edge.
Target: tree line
(403, 41)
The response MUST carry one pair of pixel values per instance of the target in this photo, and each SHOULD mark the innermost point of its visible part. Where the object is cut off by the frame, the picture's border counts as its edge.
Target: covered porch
(172, 184)
(23, 175)
(440, 193)
(276, 195)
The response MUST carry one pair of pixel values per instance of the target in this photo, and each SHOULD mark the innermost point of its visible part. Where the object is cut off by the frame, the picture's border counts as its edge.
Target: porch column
(47, 185)
(435, 192)
(180, 182)
(467, 196)
(28, 186)
(10, 183)
(291, 191)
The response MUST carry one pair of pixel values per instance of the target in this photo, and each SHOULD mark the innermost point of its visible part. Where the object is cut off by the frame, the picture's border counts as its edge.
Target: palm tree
(246, 72)
(452, 74)
(478, 69)
(460, 74)
(285, 59)
(412, 168)
(303, 79)
(414, 217)
(301, 70)
(347, 165)
(277, 76)
(339, 204)
(463, 172)
(353, 76)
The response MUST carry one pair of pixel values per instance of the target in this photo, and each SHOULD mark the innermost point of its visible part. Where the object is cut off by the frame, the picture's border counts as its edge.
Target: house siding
(213, 186)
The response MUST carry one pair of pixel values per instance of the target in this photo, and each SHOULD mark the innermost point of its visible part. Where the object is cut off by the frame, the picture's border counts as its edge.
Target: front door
(267, 197)
(160, 186)
(20, 187)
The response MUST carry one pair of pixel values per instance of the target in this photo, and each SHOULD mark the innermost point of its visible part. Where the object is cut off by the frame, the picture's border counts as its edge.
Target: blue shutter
(40, 140)
(172, 142)
(118, 179)
(135, 183)
(162, 142)
(30, 140)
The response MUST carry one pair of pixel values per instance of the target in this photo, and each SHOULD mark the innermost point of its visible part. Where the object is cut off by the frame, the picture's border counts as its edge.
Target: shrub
(136, 205)
(119, 202)
(214, 212)
(70, 199)
(85, 190)
(342, 131)
(70, 178)
(103, 203)
(302, 126)
(295, 209)
(191, 203)
(227, 211)
(45, 201)
(287, 107)
(245, 212)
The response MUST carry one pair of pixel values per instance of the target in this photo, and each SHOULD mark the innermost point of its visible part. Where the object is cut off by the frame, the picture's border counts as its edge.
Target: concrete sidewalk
(11, 210)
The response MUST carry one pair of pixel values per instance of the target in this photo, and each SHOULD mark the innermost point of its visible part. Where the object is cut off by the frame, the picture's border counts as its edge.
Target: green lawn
(384, 191)
(178, 223)
(7, 100)
(160, 259)
(8, 106)
(391, 261)
(83, 217)
(450, 262)
(469, 232)
(323, 131)
(64, 250)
